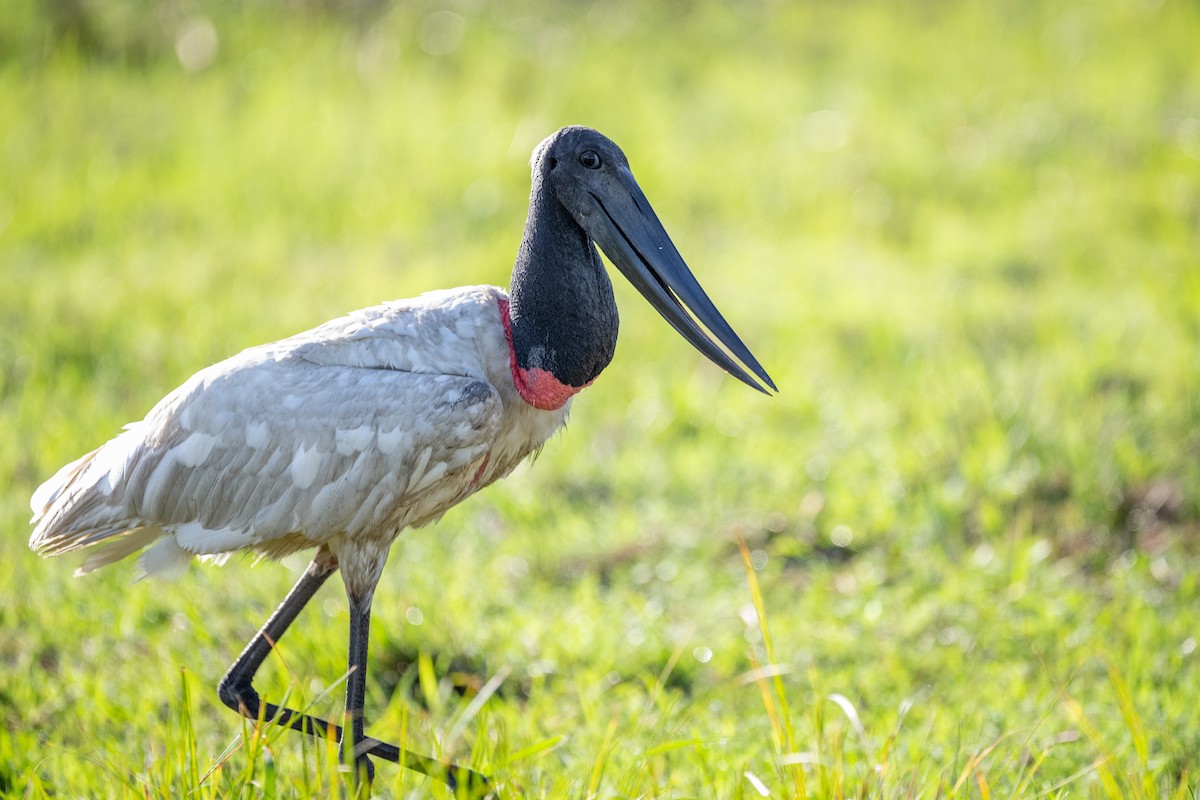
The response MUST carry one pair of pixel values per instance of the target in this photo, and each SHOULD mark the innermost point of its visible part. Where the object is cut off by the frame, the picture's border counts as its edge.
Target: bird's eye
(589, 159)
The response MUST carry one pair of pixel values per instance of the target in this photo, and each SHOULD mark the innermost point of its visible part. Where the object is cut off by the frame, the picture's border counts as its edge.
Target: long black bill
(629, 233)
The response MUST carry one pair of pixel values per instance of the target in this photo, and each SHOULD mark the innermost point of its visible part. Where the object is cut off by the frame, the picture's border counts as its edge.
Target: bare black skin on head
(564, 316)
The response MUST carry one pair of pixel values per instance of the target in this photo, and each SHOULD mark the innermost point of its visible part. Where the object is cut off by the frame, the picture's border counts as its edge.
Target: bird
(339, 438)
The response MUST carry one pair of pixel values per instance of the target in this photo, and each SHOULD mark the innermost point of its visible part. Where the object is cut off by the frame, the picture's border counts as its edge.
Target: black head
(575, 160)
(590, 178)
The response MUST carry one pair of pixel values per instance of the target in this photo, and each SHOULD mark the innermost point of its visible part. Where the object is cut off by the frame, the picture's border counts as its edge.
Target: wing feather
(320, 470)
(360, 427)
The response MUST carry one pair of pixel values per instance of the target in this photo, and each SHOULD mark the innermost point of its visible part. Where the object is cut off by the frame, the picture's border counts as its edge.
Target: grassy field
(964, 239)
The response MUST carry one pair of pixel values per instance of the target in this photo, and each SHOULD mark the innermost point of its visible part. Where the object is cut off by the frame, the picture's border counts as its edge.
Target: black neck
(564, 317)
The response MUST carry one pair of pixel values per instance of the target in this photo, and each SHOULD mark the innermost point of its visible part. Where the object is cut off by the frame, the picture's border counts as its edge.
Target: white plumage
(340, 436)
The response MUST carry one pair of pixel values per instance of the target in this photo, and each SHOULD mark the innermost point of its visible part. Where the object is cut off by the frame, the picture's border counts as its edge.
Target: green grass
(962, 237)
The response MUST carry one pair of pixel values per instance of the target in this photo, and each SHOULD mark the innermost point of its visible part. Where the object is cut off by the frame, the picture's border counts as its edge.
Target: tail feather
(75, 508)
(113, 551)
(56, 541)
(48, 493)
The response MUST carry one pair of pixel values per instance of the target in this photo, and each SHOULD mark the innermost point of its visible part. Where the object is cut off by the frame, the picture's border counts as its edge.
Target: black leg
(237, 692)
(235, 689)
(356, 688)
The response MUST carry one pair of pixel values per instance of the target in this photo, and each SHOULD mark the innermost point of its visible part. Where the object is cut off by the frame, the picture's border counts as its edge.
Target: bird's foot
(237, 693)
(472, 783)
(463, 781)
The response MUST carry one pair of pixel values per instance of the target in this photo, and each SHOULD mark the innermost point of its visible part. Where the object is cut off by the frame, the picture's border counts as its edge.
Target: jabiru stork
(341, 437)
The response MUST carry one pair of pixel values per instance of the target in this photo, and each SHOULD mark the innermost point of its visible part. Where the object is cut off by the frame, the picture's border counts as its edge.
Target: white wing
(287, 446)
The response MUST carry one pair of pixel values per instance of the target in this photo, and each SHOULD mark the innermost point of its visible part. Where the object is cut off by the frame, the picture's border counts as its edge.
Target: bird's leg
(237, 692)
(236, 689)
(360, 589)
(356, 687)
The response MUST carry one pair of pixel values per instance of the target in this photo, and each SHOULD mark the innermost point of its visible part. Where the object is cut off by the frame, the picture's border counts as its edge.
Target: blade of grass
(1107, 778)
(537, 748)
(597, 774)
(189, 732)
(783, 718)
(1133, 723)
(474, 706)
(429, 683)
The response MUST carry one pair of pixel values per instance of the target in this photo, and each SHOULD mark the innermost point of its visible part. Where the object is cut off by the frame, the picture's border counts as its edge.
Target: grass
(962, 237)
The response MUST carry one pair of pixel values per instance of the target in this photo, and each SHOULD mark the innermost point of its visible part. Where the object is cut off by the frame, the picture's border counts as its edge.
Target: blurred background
(962, 237)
